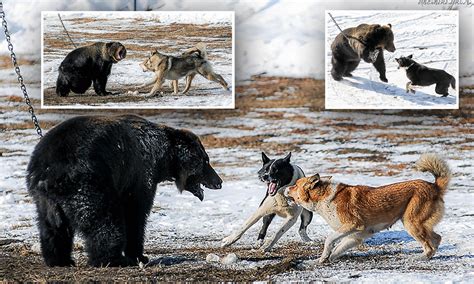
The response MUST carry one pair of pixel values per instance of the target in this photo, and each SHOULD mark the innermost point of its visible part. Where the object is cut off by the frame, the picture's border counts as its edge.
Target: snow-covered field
(169, 32)
(358, 148)
(276, 115)
(430, 36)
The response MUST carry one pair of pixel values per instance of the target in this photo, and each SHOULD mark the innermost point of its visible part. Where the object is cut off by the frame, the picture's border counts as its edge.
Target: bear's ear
(410, 56)
(389, 25)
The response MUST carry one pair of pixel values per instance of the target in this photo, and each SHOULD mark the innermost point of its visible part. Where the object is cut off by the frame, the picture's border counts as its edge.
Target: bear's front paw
(384, 79)
(143, 259)
(105, 93)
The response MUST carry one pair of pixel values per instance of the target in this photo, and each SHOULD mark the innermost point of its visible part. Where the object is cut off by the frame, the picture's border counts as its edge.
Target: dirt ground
(20, 264)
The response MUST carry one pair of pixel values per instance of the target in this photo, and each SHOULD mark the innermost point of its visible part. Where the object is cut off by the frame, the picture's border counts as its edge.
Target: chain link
(18, 72)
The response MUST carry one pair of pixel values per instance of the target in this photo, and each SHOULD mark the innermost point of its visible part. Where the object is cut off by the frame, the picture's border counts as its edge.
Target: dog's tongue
(271, 187)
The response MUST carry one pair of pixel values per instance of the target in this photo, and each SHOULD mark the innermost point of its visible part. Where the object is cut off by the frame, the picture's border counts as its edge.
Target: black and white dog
(421, 75)
(278, 174)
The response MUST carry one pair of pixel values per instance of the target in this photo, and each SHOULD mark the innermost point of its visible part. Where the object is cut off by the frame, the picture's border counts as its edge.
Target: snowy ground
(432, 39)
(170, 33)
(274, 115)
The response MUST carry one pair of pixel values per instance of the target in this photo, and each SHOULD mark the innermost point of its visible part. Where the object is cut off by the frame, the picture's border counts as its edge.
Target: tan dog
(357, 212)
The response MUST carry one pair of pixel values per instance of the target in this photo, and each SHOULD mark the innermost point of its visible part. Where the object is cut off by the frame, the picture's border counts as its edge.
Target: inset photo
(392, 59)
(159, 60)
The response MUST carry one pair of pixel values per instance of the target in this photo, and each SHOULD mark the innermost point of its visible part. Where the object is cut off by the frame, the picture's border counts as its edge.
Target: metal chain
(67, 33)
(18, 73)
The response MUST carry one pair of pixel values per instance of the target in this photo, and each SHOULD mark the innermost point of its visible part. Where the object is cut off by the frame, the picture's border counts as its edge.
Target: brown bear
(88, 65)
(365, 42)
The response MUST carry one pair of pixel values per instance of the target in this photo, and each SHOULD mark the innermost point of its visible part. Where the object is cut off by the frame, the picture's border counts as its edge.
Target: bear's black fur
(361, 42)
(88, 65)
(97, 176)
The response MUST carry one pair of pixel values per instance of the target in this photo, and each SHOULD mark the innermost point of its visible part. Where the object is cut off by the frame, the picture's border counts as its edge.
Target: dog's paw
(384, 79)
(423, 258)
(266, 247)
(304, 237)
(227, 241)
(258, 243)
(323, 259)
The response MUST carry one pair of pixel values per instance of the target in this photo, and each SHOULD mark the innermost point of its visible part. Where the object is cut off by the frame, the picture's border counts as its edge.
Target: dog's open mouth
(272, 188)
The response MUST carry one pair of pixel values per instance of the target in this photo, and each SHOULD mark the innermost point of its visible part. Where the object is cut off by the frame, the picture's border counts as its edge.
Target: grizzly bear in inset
(96, 176)
(361, 43)
(88, 65)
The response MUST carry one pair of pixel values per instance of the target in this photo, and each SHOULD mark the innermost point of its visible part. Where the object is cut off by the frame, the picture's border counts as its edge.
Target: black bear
(365, 42)
(88, 65)
(97, 176)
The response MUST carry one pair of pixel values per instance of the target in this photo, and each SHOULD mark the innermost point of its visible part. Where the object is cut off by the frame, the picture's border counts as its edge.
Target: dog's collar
(406, 68)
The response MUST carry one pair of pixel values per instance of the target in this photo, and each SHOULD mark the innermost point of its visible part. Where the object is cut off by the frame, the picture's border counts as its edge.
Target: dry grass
(6, 62)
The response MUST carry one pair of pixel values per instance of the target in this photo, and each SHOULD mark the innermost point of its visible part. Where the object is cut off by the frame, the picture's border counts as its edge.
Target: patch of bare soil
(88, 98)
(19, 263)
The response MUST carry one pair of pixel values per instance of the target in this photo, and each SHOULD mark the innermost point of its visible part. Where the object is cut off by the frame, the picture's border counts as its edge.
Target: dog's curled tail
(202, 50)
(453, 83)
(436, 166)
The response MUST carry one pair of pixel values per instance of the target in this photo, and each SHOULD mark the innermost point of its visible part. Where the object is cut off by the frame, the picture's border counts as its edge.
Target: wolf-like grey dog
(191, 62)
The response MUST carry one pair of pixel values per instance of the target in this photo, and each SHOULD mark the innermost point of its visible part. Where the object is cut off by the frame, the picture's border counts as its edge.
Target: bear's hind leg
(338, 68)
(62, 86)
(351, 66)
(56, 234)
(80, 84)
